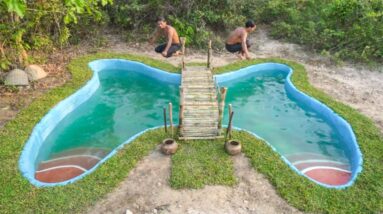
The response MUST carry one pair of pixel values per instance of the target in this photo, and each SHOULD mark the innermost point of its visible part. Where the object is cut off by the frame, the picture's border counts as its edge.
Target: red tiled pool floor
(322, 169)
(68, 164)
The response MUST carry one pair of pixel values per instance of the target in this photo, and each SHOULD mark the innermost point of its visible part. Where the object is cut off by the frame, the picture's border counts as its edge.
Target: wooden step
(202, 131)
(188, 103)
(201, 93)
(201, 138)
(198, 99)
(200, 108)
(197, 82)
(196, 68)
(188, 90)
(197, 74)
(200, 113)
(199, 135)
(196, 86)
(199, 123)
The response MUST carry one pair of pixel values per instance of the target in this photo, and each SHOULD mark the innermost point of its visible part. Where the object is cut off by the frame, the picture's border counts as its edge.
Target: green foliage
(17, 6)
(41, 25)
(195, 20)
(346, 28)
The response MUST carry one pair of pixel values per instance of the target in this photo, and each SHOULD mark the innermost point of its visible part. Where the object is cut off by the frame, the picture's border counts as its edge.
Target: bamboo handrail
(183, 41)
(209, 52)
(221, 107)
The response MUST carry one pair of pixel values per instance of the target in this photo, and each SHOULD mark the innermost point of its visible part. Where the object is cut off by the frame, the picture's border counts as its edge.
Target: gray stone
(16, 77)
(35, 72)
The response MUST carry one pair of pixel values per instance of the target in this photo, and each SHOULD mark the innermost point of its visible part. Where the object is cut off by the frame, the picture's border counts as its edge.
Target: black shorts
(173, 48)
(237, 47)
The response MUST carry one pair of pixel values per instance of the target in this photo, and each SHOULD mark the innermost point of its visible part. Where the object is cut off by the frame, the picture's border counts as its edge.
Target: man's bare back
(236, 36)
(237, 42)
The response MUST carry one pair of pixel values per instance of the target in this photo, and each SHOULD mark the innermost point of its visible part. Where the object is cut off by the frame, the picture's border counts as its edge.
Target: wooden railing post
(165, 125)
(209, 52)
(183, 41)
(221, 107)
(181, 113)
(171, 118)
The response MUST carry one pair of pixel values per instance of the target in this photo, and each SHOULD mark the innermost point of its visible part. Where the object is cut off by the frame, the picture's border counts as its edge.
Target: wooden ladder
(200, 112)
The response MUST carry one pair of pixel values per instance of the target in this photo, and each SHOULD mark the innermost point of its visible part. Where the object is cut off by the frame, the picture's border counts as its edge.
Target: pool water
(128, 102)
(311, 144)
(125, 104)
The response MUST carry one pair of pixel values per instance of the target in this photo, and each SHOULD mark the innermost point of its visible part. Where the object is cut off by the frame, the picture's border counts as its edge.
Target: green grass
(17, 195)
(200, 163)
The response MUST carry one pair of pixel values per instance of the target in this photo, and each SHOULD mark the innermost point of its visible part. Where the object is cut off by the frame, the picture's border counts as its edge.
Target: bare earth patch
(146, 190)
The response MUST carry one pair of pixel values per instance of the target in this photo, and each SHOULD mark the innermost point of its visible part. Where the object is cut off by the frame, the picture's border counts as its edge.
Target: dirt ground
(145, 190)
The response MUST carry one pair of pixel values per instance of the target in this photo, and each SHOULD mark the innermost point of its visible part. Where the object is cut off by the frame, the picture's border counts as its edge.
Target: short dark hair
(160, 19)
(249, 23)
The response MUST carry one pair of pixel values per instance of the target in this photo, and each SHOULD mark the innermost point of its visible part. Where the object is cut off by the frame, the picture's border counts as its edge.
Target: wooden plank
(200, 138)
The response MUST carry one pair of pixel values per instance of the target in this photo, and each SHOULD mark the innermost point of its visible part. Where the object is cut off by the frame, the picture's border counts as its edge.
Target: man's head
(161, 22)
(250, 26)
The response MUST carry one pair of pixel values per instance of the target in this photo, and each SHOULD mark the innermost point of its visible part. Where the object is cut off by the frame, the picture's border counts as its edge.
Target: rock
(35, 72)
(16, 77)
(129, 212)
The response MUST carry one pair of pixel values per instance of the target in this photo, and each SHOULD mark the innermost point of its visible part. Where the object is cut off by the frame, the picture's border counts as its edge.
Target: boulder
(35, 72)
(16, 77)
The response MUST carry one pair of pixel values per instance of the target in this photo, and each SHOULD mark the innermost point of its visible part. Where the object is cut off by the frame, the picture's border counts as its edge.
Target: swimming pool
(124, 98)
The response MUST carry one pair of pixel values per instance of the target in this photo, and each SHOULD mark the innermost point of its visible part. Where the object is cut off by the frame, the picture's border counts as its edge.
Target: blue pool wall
(63, 108)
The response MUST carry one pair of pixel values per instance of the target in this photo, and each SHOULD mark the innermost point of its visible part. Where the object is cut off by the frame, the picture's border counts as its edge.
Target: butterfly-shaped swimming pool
(125, 98)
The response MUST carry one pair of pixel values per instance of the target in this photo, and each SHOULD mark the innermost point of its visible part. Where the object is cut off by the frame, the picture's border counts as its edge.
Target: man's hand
(164, 53)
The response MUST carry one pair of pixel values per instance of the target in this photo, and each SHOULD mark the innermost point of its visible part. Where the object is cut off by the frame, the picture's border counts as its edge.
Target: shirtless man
(238, 41)
(172, 46)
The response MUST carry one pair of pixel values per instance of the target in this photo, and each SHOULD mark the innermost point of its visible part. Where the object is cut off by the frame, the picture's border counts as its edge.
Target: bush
(41, 25)
(347, 28)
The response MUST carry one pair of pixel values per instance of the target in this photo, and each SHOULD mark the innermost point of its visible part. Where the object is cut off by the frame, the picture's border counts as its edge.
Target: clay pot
(169, 146)
(233, 147)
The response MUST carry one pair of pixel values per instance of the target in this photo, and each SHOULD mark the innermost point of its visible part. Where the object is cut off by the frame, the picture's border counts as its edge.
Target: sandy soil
(146, 190)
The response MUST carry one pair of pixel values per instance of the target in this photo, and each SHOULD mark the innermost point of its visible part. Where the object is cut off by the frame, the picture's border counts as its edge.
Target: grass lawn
(200, 163)
(191, 165)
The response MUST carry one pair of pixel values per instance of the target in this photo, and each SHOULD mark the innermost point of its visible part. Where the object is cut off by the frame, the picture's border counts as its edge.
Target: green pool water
(125, 104)
(262, 106)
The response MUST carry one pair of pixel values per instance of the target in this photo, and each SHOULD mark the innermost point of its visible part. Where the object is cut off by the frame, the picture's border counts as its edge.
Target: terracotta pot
(233, 147)
(169, 146)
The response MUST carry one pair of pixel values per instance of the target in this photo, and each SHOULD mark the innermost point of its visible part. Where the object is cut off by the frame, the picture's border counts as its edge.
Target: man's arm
(244, 46)
(155, 36)
(170, 37)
